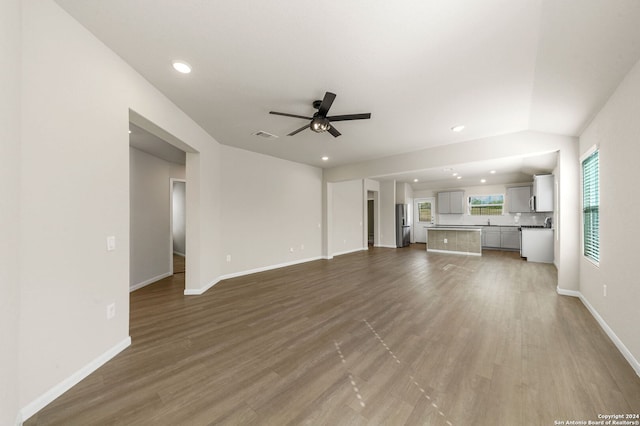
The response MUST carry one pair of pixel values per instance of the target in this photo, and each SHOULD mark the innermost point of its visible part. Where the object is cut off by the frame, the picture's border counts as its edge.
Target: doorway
(424, 216)
(372, 234)
(178, 222)
(157, 161)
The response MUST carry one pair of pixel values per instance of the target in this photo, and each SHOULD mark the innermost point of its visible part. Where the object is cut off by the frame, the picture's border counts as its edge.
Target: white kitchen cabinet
(537, 245)
(501, 237)
(510, 237)
(451, 202)
(542, 197)
(456, 202)
(443, 202)
(518, 199)
(491, 236)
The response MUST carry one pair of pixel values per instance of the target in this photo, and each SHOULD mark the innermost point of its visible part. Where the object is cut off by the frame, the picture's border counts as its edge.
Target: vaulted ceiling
(419, 66)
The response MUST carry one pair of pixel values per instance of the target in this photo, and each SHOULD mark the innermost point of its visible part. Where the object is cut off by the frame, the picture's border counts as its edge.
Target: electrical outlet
(604, 290)
(445, 241)
(290, 249)
(111, 311)
(228, 258)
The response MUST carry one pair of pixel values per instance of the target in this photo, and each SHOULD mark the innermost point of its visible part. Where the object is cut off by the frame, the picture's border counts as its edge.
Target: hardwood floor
(386, 336)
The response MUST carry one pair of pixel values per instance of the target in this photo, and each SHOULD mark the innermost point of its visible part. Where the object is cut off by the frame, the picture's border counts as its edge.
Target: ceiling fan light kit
(320, 122)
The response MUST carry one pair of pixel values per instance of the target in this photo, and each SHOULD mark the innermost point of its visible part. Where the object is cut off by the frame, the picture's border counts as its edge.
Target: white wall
(9, 208)
(150, 231)
(269, 206)
(76, 98)
(615, 130)
(178, 217)
(347, 217)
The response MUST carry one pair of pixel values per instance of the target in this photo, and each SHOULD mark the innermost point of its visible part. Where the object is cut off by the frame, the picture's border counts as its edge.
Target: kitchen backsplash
(510, 219)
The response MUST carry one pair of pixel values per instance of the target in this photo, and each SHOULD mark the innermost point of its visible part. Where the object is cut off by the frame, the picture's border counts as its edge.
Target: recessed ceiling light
(415, 180)
(325, 158)
(459, 177)
(182, 67)
(455, 174)
(493, 172)
(457, 128)
(129, 131)
(483, 180)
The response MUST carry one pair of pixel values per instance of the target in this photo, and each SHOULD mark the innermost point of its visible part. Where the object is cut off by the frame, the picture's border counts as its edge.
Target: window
(424, 211)
(486, 205)
(591, 207)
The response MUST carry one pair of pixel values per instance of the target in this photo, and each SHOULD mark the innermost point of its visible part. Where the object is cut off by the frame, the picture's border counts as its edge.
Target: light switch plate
(111, 243)
(111, 310)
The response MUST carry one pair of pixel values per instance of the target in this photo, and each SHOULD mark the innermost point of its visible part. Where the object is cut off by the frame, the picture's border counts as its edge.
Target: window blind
(590, 207)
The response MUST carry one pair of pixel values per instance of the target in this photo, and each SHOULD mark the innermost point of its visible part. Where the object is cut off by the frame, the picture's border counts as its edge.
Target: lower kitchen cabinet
(510, 238)
(501, 237)
(491, 237)
(537, 245)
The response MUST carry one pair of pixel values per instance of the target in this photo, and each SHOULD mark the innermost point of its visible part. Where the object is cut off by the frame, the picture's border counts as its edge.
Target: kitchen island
(460, 240)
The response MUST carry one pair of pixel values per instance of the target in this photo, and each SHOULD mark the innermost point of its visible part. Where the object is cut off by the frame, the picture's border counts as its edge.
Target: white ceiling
(419, 66)
(506, 170)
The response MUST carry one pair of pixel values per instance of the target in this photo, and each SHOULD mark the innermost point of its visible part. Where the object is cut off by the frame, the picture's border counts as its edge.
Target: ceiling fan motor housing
(319, 124)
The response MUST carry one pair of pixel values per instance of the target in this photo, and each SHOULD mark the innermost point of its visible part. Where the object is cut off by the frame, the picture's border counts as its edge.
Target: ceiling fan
(320, 122)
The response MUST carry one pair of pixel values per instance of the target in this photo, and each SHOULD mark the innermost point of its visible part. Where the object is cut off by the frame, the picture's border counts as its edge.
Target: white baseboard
(268, 268)
(385, 246)
(468, 253)
(149, 281)
(199, 291)
(572, 293)
(340, 253)
(177, 253)
(46, 398)
(612, 335)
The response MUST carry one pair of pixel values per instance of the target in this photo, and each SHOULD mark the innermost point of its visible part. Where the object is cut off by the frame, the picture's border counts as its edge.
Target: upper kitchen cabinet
(518, 199)
(542, 197)
(451, 202)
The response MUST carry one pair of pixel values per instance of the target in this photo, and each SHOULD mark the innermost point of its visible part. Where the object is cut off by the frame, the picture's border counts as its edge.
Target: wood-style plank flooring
(385, 336)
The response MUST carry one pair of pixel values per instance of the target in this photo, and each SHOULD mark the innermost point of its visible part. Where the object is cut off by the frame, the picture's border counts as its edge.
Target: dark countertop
(455, 228)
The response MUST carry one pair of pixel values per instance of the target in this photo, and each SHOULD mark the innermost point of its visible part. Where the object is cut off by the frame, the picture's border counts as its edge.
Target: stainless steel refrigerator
(403, 228)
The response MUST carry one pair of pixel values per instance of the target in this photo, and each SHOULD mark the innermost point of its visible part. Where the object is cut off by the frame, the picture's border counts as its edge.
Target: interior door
(424, 216)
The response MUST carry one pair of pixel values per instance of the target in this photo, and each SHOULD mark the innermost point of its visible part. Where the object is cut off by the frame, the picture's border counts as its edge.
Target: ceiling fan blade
(290, 115)
(306, 126)
(350, 117)
(326, 104)
(334, 132)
